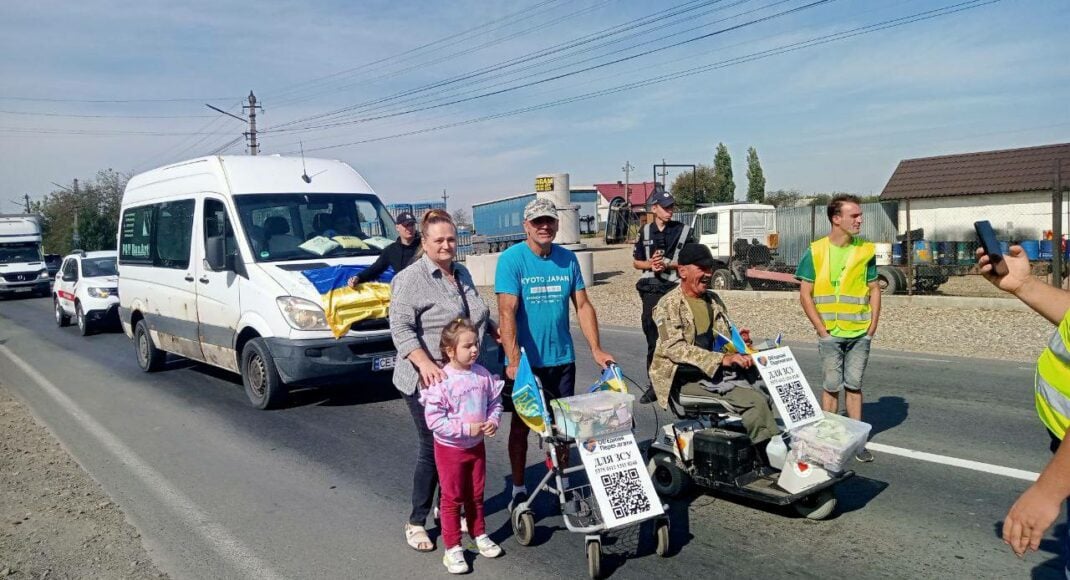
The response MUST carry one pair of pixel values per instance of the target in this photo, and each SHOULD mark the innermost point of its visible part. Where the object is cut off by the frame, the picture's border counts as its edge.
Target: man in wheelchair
(685, 365)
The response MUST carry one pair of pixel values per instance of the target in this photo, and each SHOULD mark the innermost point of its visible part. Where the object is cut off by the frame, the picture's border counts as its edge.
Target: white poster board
(619, 479)
(791, 393)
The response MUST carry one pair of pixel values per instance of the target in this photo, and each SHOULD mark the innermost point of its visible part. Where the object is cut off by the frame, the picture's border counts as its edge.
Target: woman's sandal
(416, 536)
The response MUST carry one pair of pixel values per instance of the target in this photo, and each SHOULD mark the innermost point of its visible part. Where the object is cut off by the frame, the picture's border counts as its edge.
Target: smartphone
(987, 236)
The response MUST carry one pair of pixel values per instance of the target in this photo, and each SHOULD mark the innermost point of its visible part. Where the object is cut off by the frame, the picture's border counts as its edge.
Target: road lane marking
(954, 461)
(217, 537)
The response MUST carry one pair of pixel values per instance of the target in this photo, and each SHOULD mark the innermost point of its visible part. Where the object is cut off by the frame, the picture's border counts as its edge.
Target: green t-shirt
(837, 260)
(701, 313)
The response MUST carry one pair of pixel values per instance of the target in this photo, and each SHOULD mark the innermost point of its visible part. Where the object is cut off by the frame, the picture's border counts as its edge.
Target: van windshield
(300, 226)
(20, 252)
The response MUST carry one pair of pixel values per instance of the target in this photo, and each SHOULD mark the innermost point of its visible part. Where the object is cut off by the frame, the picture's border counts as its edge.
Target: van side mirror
(215, 255)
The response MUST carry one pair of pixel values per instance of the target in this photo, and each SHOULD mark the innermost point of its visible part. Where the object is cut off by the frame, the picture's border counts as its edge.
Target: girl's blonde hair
(452, 334)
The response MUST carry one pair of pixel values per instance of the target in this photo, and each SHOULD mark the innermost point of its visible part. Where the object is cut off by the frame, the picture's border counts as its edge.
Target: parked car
(211, 254)
(88, 290)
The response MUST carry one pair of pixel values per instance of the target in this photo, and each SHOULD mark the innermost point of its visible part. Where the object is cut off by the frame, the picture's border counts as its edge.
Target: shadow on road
(1053, 567)
(885, 413)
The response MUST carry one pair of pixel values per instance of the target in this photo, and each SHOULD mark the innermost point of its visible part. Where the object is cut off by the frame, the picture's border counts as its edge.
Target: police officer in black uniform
(656, 252)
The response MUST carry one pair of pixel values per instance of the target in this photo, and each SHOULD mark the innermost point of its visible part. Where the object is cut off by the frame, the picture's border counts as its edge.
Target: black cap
(664, 198)
(404, 218)
(695, 254)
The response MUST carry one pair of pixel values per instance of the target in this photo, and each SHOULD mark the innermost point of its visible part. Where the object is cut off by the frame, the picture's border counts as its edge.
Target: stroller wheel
(523, 527)
(594, 559)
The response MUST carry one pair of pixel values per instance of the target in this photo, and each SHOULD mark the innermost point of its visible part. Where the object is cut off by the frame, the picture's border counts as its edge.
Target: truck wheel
(263, 385)
(722, 280)
(149, 358)
(61, 317)
(670, 479)
(888, 281)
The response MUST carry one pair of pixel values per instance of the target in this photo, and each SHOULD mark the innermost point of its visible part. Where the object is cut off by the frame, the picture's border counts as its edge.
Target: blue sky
(837, 116)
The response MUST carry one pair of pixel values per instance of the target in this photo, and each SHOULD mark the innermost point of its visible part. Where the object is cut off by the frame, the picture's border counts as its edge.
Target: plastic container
(830, 442)
(593, 414)
(1046, 249)
(897, 253)
(1032, 249)
(945, 253)
(883, 253)
(923, 252)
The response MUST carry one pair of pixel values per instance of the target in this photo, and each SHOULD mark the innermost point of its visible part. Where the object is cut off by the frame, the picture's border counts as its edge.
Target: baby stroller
(591, 419)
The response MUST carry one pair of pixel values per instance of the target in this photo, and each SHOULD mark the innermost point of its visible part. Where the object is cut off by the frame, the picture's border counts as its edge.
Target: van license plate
(383, 363)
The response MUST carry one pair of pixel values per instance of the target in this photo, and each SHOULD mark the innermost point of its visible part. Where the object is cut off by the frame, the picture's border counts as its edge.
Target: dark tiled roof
(639, 191)
(1007, 171)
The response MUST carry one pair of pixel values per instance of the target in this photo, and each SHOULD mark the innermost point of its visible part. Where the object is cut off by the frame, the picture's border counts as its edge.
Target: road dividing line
(954, 461)
(217, 537)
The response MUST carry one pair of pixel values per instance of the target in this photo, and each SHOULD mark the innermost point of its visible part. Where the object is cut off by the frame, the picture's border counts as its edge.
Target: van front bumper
(40, 286)
(327, 360)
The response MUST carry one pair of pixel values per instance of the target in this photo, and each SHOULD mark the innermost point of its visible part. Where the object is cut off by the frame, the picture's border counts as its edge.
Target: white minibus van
(211, 261)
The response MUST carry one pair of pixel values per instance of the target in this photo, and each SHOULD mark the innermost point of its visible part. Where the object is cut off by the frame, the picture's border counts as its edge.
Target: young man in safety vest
(656, 253)
(840, 295)
(1038, 508)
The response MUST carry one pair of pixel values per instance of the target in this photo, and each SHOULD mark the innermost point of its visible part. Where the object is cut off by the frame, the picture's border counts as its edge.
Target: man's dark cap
(695, 254)
(664, 198)
(405, 218)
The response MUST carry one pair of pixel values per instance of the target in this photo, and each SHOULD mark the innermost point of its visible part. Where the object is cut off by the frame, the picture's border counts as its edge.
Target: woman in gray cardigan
(425, 297)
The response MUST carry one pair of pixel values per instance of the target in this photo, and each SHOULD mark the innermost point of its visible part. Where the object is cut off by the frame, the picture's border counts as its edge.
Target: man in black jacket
(397, 255)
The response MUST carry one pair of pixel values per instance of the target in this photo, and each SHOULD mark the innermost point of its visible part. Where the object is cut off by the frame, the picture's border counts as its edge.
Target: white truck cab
(22, 264)
(210, 268)
(721, 226)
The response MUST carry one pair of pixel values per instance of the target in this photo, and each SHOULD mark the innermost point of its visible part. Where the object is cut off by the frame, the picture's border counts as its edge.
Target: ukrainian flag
(528, 403)
(611, 380)
(345, 306)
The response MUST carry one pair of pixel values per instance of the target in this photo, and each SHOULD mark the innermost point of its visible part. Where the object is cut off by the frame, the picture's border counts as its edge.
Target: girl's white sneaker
(487, 547)
(454, 561)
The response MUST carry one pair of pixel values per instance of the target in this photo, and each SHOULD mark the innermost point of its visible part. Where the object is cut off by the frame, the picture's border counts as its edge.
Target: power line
(28, 113)
(50, 100)
(791, 47)
(560, 76)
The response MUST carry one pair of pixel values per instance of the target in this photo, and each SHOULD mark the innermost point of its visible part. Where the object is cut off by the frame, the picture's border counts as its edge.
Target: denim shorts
(843, 361)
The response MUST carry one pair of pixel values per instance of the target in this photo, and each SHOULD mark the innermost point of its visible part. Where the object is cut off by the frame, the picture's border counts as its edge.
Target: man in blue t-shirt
(535, 281)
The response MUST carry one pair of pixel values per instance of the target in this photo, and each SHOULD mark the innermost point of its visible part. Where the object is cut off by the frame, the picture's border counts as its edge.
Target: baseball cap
(695, 254)
(539, 207)
(404, 218)
(664, 199)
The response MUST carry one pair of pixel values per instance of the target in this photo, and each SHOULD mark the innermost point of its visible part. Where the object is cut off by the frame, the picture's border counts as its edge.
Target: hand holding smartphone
(987, 237)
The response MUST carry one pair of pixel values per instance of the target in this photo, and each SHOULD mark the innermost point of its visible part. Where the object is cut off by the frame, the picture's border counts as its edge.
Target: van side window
(173, 233)
(709, 223)
(217, 224)
(135, 237)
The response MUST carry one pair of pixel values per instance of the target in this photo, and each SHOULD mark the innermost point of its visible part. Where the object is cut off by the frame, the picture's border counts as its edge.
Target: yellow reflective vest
(1053, 380)
(845, 305)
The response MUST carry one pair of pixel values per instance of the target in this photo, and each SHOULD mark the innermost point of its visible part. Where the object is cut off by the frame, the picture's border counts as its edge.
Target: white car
(87, 288)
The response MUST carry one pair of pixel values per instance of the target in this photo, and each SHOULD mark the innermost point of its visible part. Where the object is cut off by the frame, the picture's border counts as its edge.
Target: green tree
(724, 189)
(783, 198)
(755, 177)
(691, 189)
(92, 204)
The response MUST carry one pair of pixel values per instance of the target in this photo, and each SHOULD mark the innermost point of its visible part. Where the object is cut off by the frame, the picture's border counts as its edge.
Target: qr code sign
(626, 494)
(795, 401)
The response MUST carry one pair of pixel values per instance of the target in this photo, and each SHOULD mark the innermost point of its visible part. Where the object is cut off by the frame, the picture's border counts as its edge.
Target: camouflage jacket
(676, 341)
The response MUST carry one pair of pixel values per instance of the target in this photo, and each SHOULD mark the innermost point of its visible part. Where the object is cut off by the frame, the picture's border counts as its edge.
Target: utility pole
(664, 173)
(254, 148)
(444, 198)
(627, 169)
(27, 198)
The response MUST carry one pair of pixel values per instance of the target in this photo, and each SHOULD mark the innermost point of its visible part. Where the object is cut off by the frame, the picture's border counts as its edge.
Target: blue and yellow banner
(612, 379)
(345, 306)
(528, 403)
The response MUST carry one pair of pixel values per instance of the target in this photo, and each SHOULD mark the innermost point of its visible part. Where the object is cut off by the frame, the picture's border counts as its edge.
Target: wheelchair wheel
(670, 479)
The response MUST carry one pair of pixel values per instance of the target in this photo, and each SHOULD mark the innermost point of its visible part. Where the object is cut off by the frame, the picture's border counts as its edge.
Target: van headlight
(302, 314)
(43, 275)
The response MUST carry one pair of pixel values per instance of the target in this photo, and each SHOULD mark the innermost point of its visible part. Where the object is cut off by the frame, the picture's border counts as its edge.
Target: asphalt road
(321, 489)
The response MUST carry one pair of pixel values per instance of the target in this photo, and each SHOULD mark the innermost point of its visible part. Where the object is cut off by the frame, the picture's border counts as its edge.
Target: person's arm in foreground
(1035, 511)
(1047, 300)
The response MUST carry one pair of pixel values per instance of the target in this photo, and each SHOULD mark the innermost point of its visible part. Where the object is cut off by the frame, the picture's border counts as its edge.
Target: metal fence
(798, 226)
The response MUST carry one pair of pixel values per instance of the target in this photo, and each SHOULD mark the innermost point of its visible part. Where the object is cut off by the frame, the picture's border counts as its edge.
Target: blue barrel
(945, 253)
(897, 253)
(923, 252)
(1032, 249)
(1045, 249)
(964, 253)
